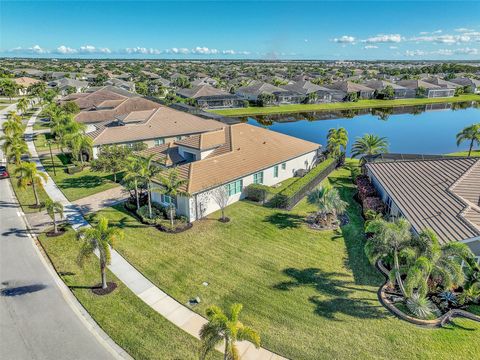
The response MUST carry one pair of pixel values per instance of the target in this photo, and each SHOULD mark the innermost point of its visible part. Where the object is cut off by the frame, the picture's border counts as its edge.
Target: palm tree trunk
(149, 200)
(55, 230)
(471, 147)
(223, 213)
(225, 354)
(104, 276)
(398, 276)
(114, 177)
(171, 213)
(136, 195)
(37, 202)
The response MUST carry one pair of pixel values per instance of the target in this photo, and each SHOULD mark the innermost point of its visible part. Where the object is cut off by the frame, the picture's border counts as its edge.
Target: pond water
(427, 129)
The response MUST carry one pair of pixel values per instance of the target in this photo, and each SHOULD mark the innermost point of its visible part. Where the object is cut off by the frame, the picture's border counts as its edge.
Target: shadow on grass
(83, 182)
(285, 220)
(359, 308)
(127, 221)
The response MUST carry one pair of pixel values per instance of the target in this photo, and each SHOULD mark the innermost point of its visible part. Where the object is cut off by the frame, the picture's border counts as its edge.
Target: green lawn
(131, 323)
(25, 197)
(361, 104)
(41, 125)
(475, 153)
(310, 294)
(79, 185)
(41, 142)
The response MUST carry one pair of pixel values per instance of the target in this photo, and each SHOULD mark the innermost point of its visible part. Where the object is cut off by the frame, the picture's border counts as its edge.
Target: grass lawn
(131, 323)
(361, 104)
(41, 142)
(475, 153)
(41, 125)
(310, 294)
(25, 197)
(79, 185)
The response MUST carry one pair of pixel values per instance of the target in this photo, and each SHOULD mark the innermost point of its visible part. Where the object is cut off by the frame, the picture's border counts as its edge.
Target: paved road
(36, 322)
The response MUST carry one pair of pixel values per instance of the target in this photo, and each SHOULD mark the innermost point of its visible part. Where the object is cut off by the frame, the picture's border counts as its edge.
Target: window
(159, 141)
(275, 171)
(235, 187)
(258, 178)
(284, 166)
(179, 138)
(165, 199)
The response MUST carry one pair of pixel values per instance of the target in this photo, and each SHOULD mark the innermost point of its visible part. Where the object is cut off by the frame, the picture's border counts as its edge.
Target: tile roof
(200, 91)
(348, 87)
(25, 81)
(259, 87)
(381, 84)
(166, 154)
(304, 87)
(96, 96)
(415, 84)
(441, 194)
(204, 141)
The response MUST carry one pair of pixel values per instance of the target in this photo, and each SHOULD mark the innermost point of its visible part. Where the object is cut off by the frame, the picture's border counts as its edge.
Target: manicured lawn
(25, 197)
(41, 142)
(41, 125)
(475, 153)
(283, 185)
(361, 104)
(310, 294)
(79, 185)
(131, 323)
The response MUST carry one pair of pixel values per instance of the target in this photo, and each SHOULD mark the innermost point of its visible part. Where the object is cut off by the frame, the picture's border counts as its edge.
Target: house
(204, 81)
(153, 127)
(399, 92)
(253, 91)
(208, 97)
(438, 193)
(469, 85)
(23, 84)
(235, 156)
(322, 94)
(67, 86)
(443, 83)
(348, 87)
(122, 84)
(430, 90)
(95, 96)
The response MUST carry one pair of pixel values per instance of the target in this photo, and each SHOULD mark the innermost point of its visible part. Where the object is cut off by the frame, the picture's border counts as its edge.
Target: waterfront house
(399, 92)
(429, 90)
(442, 83)
(208, 97)
(253, 91)
(438, 193)
(348, 87)
(307, 89)
(470, 85)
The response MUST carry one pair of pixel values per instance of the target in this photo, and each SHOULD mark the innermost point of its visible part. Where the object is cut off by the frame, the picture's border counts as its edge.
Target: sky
(323, 30)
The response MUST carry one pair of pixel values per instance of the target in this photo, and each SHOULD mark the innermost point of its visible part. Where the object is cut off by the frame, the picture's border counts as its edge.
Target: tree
(112, 158)
(421, 92)
(79, 144)
(29, 175)
(221, 196)
(227, 328)
(8, 87)
(141, 88)
(337, 140)
(12, 127)
(148, 170)
(388, 92)
(369, 144)
(351, 97)
(99, 237)
(53, 208)
(22, 105)
(37, 89)
(172, 186)
(70, 107)
(329, 204)
(14, 147)
(132, 174)
(49, 95)
(265, 99)
(470, 133)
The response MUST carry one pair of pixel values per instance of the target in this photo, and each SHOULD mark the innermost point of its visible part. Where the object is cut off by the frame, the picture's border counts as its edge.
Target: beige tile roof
(201, 90)
(163, 122)
(441, 194)
(248, 149)
(25, 81)
(204, 141)
(166, 154)
(348, 86)
(90, 100)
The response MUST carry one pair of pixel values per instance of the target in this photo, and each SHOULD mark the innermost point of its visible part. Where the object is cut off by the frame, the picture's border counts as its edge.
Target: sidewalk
(101, 200)
(158, 300)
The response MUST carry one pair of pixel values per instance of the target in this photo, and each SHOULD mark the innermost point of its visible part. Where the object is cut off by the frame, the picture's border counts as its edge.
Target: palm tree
(369, 144)
(337, 140)
(28, 174)
(22, 105)
(132, 173)
(12, 127)
(12, 115)
(226, 328)
(53, 208)
(78, 144)
(99, 237)
(172, 186)
(390, 240)
(328, 201)
(470, 133)
(147, 171)
(14, 147)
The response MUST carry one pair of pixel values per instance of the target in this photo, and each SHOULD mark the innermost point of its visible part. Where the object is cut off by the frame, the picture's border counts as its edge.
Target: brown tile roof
(348, 87)
(163, 122)
(166, 154)
(200, 91)
(91, 99)
(25, 81)
(248, 149)
(441, 194)
(204, 141)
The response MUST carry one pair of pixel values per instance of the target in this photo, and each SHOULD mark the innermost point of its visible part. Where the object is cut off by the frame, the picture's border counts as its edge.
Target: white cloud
(393, 47)
(462, 30)
(202, 50)
(370, 47)
(384, 38)
(35, 49)
(437, 32)
(345, 39)
(443, 52)
(142, 50)
(448, 39)
(62, 49)
(415, 53)
(90, 49)
(175, 50)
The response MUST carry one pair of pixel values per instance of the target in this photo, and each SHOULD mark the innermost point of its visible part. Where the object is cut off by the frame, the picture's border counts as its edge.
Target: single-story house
(122, 84)
(67, 85)
(206, 96)
(153, 127)
(348, 87)
(24, 82)
(204, 81)
(95, 96)
(399, 92)
(442, 194)
(235, 156)
(323, 94)
(472, 84)
(442, 83)
(282, 96)
(431, 90)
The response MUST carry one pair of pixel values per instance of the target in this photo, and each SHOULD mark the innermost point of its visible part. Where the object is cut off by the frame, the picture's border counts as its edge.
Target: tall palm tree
(12, 115)
(369, 144)
(328, 201)
(22, 105)
(12, 127)
(29, 175)
(337, 140)
(227, 328)
(147, 171)
(132, 174)
(470, 133)
(54, 208)
(172, 186)
(390, 240)
(99, 237)
(14, 147)
(79, 143)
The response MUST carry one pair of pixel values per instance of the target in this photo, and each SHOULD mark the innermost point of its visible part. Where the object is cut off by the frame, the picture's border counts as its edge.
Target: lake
(427, 129)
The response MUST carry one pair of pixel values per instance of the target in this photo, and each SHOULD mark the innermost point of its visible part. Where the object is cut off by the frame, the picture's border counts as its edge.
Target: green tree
(112, 158)
(148, 170)
(470, 133)
(141, 88)
(369, 144)
(388, 92)
(14, 147)
(226, 328)
(171, 185)
(99, 237)
(337, 140)
(12, 127)
(8, 87)
(29, 175)
(70, 107)
(132, 174)
(53, 208)
(37, 89)
(265, 99)
(22, 105)
(79, 144)
(329, 204)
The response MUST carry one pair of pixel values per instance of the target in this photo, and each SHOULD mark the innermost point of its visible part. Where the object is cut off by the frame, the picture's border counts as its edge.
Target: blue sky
(245, 30)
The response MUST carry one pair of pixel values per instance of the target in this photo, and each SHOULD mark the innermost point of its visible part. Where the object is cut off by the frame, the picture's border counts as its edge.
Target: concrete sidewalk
(168, 307)
(101, 200)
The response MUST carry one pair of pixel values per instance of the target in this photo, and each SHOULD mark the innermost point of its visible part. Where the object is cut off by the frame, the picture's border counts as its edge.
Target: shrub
(365, 187)
(420, 306)
(373, 204)
(279, 201)
(158, 214)
(73, 169)
(258, 192)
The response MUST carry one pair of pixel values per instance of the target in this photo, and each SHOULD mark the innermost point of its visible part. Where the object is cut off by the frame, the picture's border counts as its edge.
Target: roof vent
(238, 149)
(264, 142)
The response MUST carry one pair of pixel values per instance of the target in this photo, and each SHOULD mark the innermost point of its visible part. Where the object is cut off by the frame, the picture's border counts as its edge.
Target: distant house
(442, 194)
(24, 82)
(208, 97)
(443, 83)
(253, 91)
(66, 85)
(470, 85)
(431, 90)
(323, 94)
(235, 156)
(399, 91)
(39, 74)
(348, 87)
(122, 84)
(94, 96)
(204, 81)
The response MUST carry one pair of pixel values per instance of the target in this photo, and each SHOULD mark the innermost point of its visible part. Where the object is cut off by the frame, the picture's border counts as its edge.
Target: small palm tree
(147, 171)
(470, 133)
(54, 208)
(227, 328)
(14, 147)
(132, 174)
(337, 140)
(12, 127)
(99, 237)
(12, 115)
(328, 201)
(22, 105)
(369, 144)
(28, 174)
(172, 186)
(79, 144)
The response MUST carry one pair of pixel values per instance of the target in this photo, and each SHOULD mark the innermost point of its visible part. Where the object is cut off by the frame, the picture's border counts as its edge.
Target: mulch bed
(97, 289)
(225, 220)
(176, 229)
(344, 220)
(51, 233)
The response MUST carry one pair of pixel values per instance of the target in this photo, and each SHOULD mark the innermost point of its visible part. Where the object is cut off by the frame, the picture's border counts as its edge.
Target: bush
(279, 201)
(258, 192)
(373, 204)
(365, 187)
(73, 169)
(158, 214)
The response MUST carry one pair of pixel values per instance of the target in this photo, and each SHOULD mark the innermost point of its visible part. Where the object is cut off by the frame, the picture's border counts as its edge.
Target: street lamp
(51, 156)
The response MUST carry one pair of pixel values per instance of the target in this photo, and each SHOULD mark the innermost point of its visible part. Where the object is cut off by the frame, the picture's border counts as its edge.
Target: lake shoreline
(361, 104)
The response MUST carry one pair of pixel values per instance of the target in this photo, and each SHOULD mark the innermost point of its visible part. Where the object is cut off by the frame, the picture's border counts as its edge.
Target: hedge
(258, 192)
